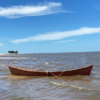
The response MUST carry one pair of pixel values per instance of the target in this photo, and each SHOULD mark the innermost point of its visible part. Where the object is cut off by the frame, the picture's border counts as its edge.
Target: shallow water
(50, 88)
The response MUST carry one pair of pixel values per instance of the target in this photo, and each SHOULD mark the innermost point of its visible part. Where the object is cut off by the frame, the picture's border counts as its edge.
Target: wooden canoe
(26, 72)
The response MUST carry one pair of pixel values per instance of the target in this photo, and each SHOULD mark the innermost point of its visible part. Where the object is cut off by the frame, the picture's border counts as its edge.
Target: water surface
(50, 88)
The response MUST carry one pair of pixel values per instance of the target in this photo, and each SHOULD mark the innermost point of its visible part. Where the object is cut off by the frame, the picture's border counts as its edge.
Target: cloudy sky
(52, 26)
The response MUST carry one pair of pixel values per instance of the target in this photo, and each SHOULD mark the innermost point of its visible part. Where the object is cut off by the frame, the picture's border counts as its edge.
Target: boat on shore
(27, 72)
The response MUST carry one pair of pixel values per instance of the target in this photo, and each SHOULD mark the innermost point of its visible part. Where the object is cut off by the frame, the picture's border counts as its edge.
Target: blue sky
(52, 26)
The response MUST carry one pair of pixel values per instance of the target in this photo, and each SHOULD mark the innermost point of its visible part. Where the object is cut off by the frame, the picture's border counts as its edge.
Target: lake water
(50, 88)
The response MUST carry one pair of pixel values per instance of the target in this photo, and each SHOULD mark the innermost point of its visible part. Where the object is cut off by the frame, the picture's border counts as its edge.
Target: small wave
(80, 88)
(47, 63)
(94, 72)
(14, 77)
(34, 58)
(3, 65)
(15, 61)
(14, 58)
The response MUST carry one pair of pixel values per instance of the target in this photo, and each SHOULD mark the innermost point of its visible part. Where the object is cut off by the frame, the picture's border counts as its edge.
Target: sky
(49, 26)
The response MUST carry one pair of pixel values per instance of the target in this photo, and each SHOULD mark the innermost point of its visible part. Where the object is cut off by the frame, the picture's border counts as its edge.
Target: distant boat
(26, 72)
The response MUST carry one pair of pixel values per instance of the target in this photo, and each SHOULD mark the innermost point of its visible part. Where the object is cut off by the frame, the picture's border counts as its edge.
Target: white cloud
(1, 44)
(58, 35)
(64, 41)
(38, 10)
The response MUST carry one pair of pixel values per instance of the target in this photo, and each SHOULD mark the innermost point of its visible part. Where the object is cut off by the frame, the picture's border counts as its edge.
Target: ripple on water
(50, 88)
(14, 57)
(68, 85)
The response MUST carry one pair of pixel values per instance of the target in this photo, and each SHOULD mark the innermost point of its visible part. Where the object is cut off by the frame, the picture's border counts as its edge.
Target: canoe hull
(26, 72)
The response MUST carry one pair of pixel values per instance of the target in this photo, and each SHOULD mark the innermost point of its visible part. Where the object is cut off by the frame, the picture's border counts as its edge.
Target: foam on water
(47, 88)
(48, 63)
(94, 72)
(2, 64)
(74, 86)
(14, 58)
(34, 58)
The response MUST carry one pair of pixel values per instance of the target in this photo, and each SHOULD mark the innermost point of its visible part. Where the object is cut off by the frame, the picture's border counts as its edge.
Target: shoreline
(6, 53)
(48, 53)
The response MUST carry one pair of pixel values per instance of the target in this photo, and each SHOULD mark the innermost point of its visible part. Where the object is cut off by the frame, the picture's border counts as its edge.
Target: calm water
(50, 88)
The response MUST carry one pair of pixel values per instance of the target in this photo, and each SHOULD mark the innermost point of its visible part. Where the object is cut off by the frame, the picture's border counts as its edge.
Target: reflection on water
(50, 88)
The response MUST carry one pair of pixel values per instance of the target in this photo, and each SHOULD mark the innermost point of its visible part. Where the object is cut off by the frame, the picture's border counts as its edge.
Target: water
(50, 88)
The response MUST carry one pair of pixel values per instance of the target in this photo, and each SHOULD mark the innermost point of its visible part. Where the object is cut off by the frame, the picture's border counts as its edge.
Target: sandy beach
(5, 54)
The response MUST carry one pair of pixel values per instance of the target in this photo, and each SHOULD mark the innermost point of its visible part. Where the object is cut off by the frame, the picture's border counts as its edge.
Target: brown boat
(26, 72)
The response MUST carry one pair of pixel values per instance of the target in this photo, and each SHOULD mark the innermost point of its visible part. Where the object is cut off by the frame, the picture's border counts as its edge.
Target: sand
(5, 54)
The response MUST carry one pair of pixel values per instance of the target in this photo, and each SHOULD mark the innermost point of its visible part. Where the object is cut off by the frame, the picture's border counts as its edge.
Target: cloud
(64, 41)
(1, 44)
(38, 10)
(58, 35)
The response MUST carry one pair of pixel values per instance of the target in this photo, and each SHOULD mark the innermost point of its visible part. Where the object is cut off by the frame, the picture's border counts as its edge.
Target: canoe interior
(26, 72)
